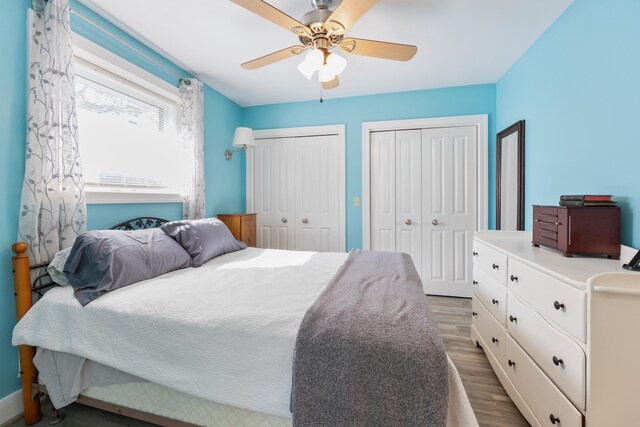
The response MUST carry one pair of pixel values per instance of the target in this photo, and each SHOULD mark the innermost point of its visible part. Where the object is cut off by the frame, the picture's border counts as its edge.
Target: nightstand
(242, 226)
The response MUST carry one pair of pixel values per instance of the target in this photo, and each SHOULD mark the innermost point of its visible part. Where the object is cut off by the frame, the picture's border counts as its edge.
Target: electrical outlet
(356, 202)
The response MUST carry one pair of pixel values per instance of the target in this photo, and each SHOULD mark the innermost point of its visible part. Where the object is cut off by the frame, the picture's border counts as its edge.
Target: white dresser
(562, 334)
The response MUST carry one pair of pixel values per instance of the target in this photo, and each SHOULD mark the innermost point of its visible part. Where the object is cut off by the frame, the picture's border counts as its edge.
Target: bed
(211, 346)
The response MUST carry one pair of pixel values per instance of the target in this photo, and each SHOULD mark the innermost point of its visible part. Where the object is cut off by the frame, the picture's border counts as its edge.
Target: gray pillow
(102, 261)
(204, 239)
(56, 267)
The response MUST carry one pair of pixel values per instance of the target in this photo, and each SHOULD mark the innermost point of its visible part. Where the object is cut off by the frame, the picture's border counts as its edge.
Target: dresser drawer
(560, 303)
(543, 398)
(492, 294)
(492, 261)
(559, 356)
(489, 330)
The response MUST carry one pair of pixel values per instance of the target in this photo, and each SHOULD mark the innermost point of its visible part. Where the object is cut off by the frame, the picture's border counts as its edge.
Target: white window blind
(129, 135)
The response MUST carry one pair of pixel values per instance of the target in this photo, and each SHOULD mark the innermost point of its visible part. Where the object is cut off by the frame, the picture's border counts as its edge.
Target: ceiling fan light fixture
(326, 73)
(315, 58)
(307, 69)
(336, 63)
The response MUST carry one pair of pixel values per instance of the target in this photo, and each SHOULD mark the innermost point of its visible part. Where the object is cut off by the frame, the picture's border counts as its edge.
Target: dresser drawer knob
(554, 419)
(557, 305)
(557, 361)
(494, 340)
(513, 319)
(496, 266)
(513, 278)
(473, 313)
(475, 253)
(511, 363)
(494, 301)
(475, 282)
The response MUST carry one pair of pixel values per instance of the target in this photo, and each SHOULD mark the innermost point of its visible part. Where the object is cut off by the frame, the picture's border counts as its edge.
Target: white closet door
(274, 193)
(317, 193)
(448, 209)
(383, 191)
(409, 195)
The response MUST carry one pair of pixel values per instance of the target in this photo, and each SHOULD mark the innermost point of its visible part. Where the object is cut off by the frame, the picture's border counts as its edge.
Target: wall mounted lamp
(243, 139)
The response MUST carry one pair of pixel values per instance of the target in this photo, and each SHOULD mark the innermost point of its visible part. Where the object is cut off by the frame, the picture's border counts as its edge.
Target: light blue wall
(13, 89)
(354, 111)
(224, 180)
(578, 88)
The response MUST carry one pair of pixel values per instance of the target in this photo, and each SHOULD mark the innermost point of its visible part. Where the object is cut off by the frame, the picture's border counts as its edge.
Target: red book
(599, 198)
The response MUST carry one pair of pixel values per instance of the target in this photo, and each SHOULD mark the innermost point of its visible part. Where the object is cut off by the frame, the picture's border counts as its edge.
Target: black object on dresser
(634, 264)
(578, 230)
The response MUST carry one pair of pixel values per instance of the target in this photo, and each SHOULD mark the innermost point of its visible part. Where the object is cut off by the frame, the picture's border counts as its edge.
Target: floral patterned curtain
(192, 95)
(53, 206)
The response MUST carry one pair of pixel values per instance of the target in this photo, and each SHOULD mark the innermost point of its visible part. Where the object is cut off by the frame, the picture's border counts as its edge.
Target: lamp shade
(306, 69)
(326, 73)
(336, 63)
(243, 138)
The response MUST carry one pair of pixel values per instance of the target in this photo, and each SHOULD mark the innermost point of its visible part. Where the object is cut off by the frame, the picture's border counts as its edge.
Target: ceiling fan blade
(273, 57)
(331, 84)
(347, 13)
(274, 15)
(377, 49)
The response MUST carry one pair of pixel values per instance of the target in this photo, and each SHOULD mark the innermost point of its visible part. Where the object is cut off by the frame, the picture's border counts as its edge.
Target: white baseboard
(10, 407)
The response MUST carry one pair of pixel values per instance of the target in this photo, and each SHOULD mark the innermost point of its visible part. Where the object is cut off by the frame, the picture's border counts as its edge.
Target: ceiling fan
(321, 31)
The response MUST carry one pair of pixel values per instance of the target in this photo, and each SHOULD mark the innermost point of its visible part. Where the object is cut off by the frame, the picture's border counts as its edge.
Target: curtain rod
(104, 30)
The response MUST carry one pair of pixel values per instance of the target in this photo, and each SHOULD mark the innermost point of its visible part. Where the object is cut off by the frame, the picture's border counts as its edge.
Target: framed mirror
(510, 178)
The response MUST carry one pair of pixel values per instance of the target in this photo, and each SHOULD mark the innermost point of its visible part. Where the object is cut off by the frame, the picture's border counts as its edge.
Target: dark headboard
(141, 223)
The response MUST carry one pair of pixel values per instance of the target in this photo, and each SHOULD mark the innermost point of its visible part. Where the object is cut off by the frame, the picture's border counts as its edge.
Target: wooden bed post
(24, 301)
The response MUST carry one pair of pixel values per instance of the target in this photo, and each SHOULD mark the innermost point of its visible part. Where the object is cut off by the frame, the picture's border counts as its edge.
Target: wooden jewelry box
(578, 230)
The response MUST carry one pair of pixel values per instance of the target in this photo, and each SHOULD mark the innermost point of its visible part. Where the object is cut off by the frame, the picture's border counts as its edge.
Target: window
(130, 142)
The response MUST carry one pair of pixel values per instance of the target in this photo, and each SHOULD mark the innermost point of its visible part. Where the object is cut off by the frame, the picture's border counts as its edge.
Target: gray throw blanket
(368, 352)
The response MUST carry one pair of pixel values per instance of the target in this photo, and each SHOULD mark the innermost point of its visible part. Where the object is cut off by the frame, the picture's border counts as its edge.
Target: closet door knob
(513, 319)
(557, 305)
(557, 361)
(305, 220)
(554, 420)
(511, 363)
(514, 278)
(475, 282)
(408, 222)
(284, 219)
(473, 313)
(494, 301)
(494, 340)
(474, 253)
(495, 266)
(435, 222)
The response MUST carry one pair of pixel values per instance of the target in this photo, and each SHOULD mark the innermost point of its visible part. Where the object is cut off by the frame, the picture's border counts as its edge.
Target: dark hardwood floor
(492, 406)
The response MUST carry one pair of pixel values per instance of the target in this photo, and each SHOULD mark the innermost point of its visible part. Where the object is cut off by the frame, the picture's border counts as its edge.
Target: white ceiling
(460, 42)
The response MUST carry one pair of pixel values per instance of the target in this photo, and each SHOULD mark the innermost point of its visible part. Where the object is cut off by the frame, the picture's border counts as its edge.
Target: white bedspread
(224, 332)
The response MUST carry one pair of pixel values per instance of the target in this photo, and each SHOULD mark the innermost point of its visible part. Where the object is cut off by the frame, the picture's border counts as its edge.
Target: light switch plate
(356, 202)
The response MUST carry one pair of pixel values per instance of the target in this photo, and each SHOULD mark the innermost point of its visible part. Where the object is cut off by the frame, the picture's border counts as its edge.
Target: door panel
(274, 193)
(408, 195)
(317, 193)
(423, 202)
(383, 191)
(448, 208)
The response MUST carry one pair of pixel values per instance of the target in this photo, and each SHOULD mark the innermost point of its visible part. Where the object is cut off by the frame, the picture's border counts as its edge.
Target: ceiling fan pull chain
(321, 99)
